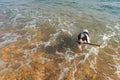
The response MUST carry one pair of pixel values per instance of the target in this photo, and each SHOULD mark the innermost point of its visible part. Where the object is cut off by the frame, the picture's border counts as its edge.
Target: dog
(83, 37)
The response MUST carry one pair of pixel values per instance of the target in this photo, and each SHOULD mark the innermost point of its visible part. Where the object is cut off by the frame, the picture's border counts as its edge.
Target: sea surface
(38, 40)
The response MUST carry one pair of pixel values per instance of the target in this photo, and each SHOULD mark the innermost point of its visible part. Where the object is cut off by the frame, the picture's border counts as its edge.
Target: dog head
(85, 31)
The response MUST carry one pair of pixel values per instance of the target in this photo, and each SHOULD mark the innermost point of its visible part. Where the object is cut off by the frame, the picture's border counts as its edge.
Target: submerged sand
(35, 59)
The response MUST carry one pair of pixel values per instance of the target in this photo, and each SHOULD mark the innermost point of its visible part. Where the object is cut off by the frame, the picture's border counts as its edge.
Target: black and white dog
(83, 37)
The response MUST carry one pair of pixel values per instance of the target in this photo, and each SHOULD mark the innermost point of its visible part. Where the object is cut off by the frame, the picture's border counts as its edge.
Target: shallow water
(38, 40)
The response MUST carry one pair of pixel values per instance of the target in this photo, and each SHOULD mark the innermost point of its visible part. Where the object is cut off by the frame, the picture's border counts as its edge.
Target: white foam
(106, 38)
(52, 39)
(51, 22)
(112, 32)
(109, 78)
(18, 15)
(117, 26)
(94, 50)
(54, 36)
(86, 57)
(28, 38)
(26, 53)
(109, 27)
(59, 53)
(92, 64)
(69, 57)
(46, 43)
(9, 37)
(67, 32)
(63, 72)
(32, 26)
(44, 60)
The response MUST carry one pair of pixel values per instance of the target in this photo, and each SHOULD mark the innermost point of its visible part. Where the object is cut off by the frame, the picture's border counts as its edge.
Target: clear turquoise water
(109, 9)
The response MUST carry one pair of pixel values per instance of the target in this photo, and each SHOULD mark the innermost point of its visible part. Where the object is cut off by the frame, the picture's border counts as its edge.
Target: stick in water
(92, 44)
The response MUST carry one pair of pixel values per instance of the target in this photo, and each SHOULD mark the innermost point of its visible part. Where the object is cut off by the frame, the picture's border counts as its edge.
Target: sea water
(37, 34)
